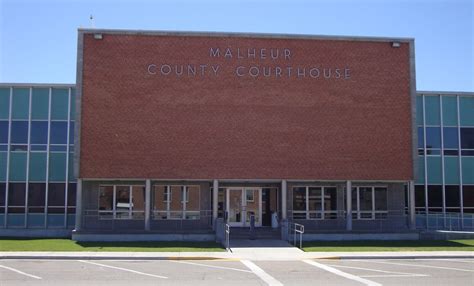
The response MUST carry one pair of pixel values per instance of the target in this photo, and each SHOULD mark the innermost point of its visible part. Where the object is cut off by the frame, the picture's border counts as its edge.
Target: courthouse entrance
(242, 204)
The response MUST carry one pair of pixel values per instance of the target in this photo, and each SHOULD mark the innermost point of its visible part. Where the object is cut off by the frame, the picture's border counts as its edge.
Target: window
(40, 103)
(39, 132)
(71, 198)
(314, 202)
(36, 197)
(468, 198)
(3, 132)
(452, 199)
(369, 202)
(122, 202)
(250, 195)
(450, 141)
(420, 198)
(220, 201)
(2, 197)
(467, 141)
(56, 198)
(16, 197)
(421, 140)
(435, 198)
(19, 132)
(433, 140)
(58, 132)
(176, 202)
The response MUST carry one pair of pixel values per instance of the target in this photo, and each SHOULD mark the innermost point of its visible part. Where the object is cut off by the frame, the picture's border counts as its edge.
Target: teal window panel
(40, 103)
(73, 104)
(17, 166)
(467, 170)
(71, 167)
(466, 111)
(37, 171)
(434, 170)
(36, 220)
(56, 220)
(432, 106)
(3, 166)
(451, 170)
(4, 103)
(15, 220)
(71, 220)
(419, 110)
(57, 167)
(420, 176)
(59, 104)
(20, 103)
(450, 114)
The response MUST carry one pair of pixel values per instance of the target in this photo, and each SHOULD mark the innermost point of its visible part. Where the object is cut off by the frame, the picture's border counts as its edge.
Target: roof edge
(26, 84)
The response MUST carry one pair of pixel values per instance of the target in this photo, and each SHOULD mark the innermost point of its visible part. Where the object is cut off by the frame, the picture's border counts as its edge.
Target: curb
(63, 257)
(398, 257)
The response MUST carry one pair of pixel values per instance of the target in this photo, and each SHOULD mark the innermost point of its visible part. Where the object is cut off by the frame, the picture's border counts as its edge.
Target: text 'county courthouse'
(169, 135)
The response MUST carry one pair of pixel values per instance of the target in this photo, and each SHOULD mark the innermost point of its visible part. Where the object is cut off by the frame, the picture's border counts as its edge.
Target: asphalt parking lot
(238, 272)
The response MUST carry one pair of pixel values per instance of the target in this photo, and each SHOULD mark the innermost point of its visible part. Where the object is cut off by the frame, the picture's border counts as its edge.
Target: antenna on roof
(91, 18)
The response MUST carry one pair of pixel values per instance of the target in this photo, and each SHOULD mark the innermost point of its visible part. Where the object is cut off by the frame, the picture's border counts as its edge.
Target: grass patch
(397, 245)
(22, 244)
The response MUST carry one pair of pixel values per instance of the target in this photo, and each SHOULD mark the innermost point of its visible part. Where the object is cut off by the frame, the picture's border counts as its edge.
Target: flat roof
(244, 34)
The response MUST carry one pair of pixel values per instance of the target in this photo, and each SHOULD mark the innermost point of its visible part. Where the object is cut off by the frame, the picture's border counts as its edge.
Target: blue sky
(38, 39)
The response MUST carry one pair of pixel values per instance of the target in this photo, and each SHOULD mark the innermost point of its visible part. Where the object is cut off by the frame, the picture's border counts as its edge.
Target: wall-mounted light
(395, 44)
(98, 36)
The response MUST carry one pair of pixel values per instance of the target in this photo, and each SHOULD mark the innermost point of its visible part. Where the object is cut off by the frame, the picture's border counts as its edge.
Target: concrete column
(411, 204)
(147, 204)
(348, 205)
(215, 198)
(78, 205)
(284, 190)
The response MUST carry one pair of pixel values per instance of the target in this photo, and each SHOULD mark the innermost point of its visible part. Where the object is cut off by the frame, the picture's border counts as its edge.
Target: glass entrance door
(242, 204)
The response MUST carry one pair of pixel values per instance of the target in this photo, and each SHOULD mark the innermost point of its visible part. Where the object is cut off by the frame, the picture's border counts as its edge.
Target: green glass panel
(420, 176)
(37, 171)
(432, 116)
(18, 166)
(419, 110)
(467, 170)
(451, 170)
(434, 170)
(59, 104)
(466, 109)
(20, 103)
(57, 167)
(450, 115)
(40, 103)
(71, 167)
(3, 166)
(73, 104)
(4, 103)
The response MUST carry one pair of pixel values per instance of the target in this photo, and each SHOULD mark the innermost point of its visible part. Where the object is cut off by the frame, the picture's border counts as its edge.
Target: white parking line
(261, 273)
(20, 272)
(343, 274)
(393, 273)
(124, 269)
(211, 266)
(417, 265)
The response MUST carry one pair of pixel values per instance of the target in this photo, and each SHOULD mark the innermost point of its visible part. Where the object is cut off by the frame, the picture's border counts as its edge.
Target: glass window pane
(71, 167)
(466, 109)
(106, 195)
(37, 171)
(433, 137)
(467, 138)
(432, 110)
(192, 203)
(315, 199)
(330, 202)
(450, 137)
(36, 197)
(59, 104)
(419, 196)
(468, 170)
(299, 199)
(421, 138)
(354, 199)
(452, 196)
(20, 103)
(365, 201)
(3, 187)
(57, 167)
(3, 132)
(3, 166)
(468, 196)
(122, 202)
(450, 115)
(73, 103)
(159, 202)
(19, 132)
(18, 166)
(40, 103)
(381, 199)
(138, 202)
(39, 132)
(71, 197)
(419, 110)
(434, 169)
(451, 170)
(420, 175)
(71, 133)
(16, 197)
(176, 205)
(56, 197)
(58, 133)
(435, 198)
(4, 103)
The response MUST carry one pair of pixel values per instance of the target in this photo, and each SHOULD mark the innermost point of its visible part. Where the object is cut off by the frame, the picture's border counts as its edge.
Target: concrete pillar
(348, 205)
(411, 204)
(284, 190)
(147, 204)
(215, 199)
(78, 205)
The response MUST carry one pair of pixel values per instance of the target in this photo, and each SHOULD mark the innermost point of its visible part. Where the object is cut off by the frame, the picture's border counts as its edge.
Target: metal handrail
(227, 236)
(297, 228)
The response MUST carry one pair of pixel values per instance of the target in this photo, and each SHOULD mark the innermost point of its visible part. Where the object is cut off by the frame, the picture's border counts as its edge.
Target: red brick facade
(138, 122)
